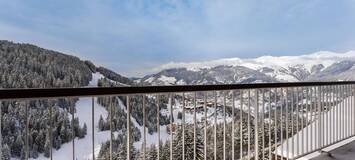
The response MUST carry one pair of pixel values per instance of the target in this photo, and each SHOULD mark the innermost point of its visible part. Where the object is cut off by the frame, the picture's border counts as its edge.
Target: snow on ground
(286, 78)
(167, 80)
(83, 147)
(149, 80)
(150, 138)
(308, 137)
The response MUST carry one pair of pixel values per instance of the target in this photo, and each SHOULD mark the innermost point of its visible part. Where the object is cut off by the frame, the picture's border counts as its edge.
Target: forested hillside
(29, 66)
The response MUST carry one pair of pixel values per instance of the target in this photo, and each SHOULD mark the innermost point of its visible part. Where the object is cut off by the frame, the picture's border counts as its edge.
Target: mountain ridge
(325, 57)
(319, 66)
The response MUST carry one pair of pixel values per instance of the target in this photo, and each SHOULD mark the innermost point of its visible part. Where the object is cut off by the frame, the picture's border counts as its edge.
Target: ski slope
(83, 147)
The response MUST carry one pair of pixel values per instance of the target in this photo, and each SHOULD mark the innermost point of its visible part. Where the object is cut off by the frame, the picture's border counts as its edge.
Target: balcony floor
(346, 152)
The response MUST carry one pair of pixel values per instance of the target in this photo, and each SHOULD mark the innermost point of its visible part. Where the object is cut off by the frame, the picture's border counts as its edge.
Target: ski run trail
(83, 146)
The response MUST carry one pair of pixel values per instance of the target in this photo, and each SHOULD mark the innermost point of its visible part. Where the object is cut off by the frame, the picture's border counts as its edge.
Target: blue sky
(133, 36)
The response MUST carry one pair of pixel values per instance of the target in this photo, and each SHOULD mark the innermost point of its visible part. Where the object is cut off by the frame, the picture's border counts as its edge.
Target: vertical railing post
(297, 122)
(195, 124)
(326, 116)
(292, 122)
(327, 126)
(27, 132)
(241, 124)
(309, 119)
(349, 112)
(353, 107)
(171, 126)
(281, 122)
(158, 125)
(256, 126)
(350, 125)
(333, 88)
(205, 128)
(312, 114)
(270, 144)
(249, 128)
(341, 105)
(0, 128)
(73, 131)
(111, 128)
(275, 118)
(339, 113)
(343, 110)
(263, 123)
(144, 129)
(333, 107)
(319, 118)
(93, 127)
(183, 126)
(224, 126)
(50, 132)
(129, 134)
(346, 101)
(287, 119)
(306, 120)
(302, 120)
(233, 119)
(215, 126)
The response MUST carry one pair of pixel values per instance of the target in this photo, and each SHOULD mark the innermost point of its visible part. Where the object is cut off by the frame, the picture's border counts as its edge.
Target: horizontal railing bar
(106, 91)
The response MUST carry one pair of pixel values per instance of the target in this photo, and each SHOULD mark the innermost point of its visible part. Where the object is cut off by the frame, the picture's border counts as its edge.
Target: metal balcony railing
(241, 121)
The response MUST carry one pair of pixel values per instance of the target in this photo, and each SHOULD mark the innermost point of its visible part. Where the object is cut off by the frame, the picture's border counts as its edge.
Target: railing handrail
(39, 93)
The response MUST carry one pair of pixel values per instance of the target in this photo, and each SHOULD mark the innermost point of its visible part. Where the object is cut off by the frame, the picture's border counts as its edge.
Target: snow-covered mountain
(322, 65)
(343, 70)
(215, 75)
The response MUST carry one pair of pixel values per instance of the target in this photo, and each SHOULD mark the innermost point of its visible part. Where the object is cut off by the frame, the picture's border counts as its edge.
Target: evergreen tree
(101, 123)
(189, 143)
(151, 153)
(164, 150)
(40, 140)
(23, 154)
(64, 133)
(34, 151)
(6, 153)
(17, 146)
(47, 148)
(84, 130)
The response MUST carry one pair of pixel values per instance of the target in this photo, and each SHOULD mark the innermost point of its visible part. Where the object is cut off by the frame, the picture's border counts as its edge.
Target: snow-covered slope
(343, 70)
(83, 147)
